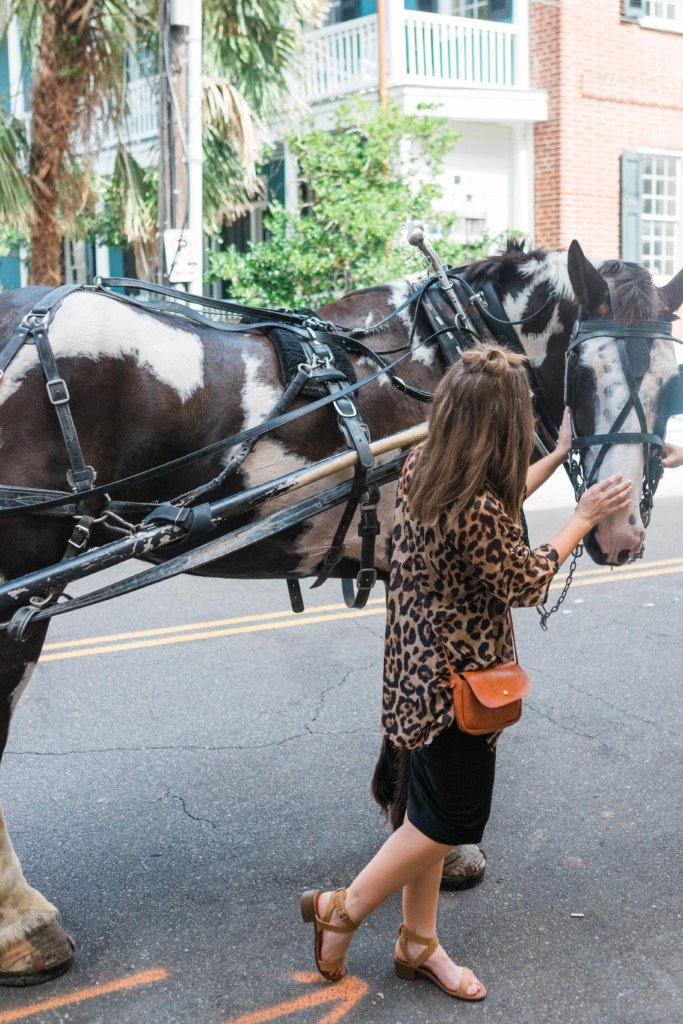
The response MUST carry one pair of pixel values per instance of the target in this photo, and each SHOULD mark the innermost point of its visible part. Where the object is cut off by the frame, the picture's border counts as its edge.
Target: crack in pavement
(620, 711)
(337, 686)
(567, 728)
(181, 801)
(307, 734)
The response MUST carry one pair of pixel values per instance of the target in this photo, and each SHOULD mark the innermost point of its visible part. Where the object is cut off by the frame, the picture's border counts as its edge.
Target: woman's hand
(603, 499)
(674, 456)
(564, 440)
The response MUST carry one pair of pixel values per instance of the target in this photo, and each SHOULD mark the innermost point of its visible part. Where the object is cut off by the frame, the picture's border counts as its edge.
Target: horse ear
(588, 283)
(673, 292)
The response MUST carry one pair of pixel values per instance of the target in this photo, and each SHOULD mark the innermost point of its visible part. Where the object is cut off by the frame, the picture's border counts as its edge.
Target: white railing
(341, 59)
(424, 49)
(143, 118)
(459, 51)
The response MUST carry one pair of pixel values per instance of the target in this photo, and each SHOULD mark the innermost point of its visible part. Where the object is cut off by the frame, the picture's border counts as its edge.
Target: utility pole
(180, 144)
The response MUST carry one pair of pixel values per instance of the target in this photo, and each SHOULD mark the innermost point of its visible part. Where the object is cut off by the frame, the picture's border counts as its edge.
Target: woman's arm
(674, 456)
(540, 471)
(517, 575)
(598, 502)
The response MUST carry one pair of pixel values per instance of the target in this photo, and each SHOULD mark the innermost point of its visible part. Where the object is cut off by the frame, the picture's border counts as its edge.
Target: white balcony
(423, 50)
(142, 122)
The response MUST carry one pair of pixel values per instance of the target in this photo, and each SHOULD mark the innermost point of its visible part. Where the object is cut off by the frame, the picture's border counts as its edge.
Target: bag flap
(498, 685)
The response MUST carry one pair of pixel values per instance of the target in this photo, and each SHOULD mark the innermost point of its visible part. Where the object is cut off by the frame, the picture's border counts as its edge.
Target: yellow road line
(201, 625)
(285, 619)
(605, 575)
(282, 624)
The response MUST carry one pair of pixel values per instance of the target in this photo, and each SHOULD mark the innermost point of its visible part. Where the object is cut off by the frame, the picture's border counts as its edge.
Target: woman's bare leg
(410, 861)
(420, 903)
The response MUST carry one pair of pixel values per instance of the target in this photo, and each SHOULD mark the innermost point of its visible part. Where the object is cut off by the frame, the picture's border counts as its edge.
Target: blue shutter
(635, 8)
(631, 207)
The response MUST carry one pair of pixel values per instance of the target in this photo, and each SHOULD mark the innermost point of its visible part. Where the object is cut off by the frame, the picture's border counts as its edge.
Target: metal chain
(543, 611)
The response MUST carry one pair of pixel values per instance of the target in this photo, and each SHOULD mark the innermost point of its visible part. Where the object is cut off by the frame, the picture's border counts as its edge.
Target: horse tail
(390, 780)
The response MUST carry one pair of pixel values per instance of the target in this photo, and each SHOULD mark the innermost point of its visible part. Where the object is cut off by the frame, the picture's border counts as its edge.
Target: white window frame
(666, 154)
(663, 15)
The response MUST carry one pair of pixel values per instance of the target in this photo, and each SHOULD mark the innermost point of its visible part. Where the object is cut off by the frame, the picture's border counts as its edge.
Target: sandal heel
(308, 905)
(404, 971)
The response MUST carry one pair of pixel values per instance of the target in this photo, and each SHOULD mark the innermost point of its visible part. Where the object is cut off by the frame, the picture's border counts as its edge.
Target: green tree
(360, 182)
(76, 50)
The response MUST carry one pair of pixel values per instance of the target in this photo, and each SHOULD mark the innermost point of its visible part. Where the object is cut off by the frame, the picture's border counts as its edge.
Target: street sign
(183, 255)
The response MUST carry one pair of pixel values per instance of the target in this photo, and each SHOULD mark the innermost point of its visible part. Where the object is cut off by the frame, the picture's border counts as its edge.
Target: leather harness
(456, 314)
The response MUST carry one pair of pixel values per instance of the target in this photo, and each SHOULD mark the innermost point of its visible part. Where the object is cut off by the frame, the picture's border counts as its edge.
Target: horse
(144, 387)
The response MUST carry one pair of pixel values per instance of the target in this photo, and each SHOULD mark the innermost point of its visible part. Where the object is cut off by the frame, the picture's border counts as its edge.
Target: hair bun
(489, 358)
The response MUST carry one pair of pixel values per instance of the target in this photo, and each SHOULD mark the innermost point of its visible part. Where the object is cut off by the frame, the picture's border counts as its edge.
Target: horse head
(621, 384)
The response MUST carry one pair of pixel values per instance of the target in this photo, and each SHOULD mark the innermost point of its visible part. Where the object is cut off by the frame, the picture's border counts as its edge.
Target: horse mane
(634, 290)
(547, 266)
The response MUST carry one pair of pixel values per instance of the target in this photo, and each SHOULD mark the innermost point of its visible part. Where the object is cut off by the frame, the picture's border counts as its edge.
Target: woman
(459, 561)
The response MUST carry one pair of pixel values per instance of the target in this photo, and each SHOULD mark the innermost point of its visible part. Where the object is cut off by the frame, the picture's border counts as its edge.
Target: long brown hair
(481, 435)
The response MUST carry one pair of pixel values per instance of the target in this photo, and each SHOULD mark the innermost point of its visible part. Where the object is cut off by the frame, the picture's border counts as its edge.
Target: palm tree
(77, 54)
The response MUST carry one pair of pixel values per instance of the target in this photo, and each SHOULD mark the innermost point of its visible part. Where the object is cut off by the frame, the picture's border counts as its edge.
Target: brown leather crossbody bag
(489, 699)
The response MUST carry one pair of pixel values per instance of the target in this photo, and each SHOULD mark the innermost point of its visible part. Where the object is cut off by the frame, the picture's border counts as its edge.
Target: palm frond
(15, 194)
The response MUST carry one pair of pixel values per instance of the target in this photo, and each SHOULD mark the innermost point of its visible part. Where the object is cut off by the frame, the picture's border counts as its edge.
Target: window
(652, 211)
(490, 10)
(655, 13)
(345, 10)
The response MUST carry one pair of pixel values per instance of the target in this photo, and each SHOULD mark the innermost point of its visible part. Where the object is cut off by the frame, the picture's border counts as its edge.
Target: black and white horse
(145, 388)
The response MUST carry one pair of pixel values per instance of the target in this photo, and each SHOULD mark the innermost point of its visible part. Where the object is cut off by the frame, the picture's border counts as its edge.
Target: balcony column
(520, 15)
(291, 168)
(522, 179)
(395, 43)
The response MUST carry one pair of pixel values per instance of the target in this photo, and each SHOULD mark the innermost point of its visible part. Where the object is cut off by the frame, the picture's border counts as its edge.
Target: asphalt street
(187, 760)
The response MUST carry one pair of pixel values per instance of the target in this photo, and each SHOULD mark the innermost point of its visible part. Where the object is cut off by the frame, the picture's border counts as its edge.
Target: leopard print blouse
(451, 587)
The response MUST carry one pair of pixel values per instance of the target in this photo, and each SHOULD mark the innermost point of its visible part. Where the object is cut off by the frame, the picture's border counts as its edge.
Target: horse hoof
(40, 958)
(463, 867)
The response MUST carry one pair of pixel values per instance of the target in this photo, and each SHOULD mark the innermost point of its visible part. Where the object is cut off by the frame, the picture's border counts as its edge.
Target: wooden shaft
(404, 439)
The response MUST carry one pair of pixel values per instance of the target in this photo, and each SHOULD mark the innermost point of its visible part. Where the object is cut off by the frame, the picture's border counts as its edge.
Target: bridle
(635, 362)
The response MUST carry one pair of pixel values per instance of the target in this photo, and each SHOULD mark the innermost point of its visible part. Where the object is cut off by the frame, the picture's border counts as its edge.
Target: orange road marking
(347, 992)
(85, 993)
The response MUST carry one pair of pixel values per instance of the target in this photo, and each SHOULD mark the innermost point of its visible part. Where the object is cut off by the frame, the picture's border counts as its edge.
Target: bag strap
(514, 642)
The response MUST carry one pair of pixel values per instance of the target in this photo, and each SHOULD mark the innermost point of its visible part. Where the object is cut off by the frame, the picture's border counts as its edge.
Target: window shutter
(500, 10)
(635, 8)
(631, 208)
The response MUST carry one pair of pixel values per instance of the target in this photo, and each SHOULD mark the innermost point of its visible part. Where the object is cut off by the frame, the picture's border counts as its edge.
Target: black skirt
(451, 784)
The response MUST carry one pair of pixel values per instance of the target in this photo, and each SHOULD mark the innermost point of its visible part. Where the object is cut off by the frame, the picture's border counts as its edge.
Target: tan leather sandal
(410, 968)
(309, 912)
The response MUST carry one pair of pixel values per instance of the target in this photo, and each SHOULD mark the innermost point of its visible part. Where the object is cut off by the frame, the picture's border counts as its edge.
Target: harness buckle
(346, 408)
(60, 395)
(80, 544)
(366, 579)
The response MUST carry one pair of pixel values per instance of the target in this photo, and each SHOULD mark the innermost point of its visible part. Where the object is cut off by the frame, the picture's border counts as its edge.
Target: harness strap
(591, 440)
(80, 476)
(11, 348)
(368, 529)
(23, 498)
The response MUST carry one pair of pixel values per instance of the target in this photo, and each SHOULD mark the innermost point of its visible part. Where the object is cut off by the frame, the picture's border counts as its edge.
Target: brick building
(609, 157)
(570, 112)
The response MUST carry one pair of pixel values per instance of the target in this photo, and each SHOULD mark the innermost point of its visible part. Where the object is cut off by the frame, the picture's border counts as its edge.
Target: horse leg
(465, 865)
(33, 945)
